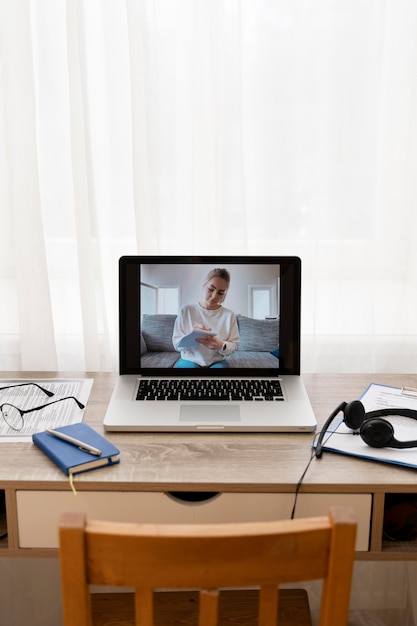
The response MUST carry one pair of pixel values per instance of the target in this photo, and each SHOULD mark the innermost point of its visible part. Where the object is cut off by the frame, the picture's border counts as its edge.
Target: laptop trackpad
(212, 413)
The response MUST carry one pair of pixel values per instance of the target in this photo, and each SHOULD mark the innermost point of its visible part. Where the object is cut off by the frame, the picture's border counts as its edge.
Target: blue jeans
(185, 363)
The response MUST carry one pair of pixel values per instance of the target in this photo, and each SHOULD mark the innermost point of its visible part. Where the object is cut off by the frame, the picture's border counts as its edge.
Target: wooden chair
(205, 557)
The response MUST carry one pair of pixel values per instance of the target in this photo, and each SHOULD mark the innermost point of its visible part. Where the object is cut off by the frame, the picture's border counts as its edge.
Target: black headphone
(376, 432)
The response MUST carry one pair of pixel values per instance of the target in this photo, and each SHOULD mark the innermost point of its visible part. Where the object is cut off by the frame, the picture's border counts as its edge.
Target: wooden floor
(386, 617)
(376, 617)
(291, 615)
(181, 608)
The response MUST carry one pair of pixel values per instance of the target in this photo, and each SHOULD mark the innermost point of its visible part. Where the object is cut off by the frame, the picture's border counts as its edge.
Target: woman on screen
(209, 314)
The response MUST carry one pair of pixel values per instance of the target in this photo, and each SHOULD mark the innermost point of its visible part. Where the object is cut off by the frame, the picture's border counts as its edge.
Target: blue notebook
(68, 457)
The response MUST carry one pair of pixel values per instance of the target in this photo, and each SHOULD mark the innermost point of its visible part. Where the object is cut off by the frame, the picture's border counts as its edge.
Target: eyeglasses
(14, 417)
(46, 391)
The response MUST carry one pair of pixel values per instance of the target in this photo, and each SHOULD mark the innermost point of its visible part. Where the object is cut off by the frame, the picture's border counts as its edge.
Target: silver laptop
(209, 344)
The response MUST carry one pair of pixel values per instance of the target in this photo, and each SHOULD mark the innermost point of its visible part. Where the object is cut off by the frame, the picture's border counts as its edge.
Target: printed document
(29, 396)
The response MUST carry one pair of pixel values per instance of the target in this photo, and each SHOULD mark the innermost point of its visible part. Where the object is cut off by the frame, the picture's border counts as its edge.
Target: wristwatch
(224, 347)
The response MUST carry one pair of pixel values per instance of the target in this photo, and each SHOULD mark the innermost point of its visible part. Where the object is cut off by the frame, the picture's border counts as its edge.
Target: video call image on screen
(171, 296)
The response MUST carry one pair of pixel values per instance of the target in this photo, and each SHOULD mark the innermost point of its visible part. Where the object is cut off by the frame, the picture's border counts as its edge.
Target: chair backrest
(207, 557)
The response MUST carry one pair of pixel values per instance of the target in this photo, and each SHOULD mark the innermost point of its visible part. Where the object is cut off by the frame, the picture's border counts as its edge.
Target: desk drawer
(38, 512)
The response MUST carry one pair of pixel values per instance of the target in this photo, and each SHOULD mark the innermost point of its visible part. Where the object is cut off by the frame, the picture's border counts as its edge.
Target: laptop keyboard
(210, 389)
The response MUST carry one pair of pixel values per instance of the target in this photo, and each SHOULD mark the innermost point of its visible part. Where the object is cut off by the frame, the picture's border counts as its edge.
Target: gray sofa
(258, 345)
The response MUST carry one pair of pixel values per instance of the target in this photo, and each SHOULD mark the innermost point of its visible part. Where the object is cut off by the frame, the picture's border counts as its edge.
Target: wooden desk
(255, 474)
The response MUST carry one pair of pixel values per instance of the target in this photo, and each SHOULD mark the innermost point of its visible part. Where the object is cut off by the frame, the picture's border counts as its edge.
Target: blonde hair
(221, 272)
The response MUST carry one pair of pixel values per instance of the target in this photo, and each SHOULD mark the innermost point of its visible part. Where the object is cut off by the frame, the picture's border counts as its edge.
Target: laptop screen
(233, 316)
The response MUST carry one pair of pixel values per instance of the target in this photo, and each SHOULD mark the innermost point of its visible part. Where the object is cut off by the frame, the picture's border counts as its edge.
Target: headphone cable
(297, 489)
(312, 456)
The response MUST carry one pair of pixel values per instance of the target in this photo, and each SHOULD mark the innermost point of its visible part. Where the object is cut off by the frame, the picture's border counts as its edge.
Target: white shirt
(222, 321)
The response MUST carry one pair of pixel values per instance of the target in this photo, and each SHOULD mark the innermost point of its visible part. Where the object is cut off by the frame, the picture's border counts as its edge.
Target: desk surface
(213, 461)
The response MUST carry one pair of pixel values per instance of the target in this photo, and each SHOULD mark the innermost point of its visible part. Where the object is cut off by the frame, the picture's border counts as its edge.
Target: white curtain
(208, 127)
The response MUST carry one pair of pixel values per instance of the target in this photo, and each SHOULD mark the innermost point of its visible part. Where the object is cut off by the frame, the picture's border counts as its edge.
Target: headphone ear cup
(354, 414)
(377, 433)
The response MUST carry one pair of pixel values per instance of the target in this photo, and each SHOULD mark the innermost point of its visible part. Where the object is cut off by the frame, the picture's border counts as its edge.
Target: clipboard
(378, 396)
(342, 440)
(410, 392)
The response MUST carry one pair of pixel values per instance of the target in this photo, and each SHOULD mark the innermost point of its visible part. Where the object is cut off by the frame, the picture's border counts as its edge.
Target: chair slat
(208, 607)
(144, 613)
(268, 605)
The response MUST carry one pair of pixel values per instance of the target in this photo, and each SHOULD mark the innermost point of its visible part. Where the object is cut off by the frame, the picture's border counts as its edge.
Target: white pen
(75, 442)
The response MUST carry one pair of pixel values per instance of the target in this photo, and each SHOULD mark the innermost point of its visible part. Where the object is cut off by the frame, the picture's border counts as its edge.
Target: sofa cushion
(252, 360)
(258, 335)
(157, 331)
(143, 346)
(159, 359)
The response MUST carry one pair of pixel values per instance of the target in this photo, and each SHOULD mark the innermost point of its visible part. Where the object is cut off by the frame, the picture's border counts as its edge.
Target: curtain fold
(208, 127)
(142, 37)
(25, 285)
(96, 352)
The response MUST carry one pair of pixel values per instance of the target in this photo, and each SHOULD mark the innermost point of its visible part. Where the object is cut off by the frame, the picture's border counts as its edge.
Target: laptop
(241, 375)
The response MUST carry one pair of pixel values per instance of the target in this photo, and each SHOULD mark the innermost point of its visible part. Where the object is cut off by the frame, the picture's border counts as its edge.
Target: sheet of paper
(341, 439)
(189, 341)
(29, 396)
(386, 397)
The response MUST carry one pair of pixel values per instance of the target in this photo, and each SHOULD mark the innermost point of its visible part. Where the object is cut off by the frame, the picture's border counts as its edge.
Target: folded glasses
(14, 416)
